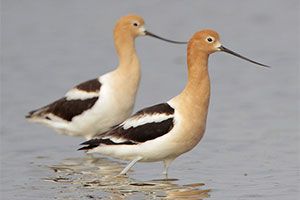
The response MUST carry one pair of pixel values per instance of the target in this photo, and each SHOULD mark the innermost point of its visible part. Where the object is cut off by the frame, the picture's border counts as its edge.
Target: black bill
(164, 39)
(222, 48)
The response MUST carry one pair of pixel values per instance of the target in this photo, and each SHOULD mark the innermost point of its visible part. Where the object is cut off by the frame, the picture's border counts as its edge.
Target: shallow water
(91, 175)
(251, 146)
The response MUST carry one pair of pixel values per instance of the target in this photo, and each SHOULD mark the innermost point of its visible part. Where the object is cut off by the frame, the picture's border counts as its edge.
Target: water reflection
(96, 177)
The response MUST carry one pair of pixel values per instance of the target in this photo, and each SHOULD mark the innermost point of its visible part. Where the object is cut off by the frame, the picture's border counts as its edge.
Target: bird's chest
(188, 131)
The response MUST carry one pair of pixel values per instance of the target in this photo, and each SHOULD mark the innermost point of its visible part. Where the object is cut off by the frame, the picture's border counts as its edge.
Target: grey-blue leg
(167, 163)
(125, 170)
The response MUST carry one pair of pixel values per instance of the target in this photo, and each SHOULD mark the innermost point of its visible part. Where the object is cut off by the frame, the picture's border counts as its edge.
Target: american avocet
(97, 105)
(163, 132)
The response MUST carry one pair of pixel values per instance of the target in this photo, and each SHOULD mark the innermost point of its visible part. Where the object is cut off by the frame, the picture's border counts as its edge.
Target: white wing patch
(145, 119)
(76, 94)
(115, 139)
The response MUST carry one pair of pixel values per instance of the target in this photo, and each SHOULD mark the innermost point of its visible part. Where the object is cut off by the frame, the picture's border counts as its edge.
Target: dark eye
(135, 24)
(209, 39)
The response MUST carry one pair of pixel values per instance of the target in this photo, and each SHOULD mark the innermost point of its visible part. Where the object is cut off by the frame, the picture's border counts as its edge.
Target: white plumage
(146, 119)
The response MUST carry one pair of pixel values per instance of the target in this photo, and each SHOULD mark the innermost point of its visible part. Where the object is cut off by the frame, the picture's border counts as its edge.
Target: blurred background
(251, 146)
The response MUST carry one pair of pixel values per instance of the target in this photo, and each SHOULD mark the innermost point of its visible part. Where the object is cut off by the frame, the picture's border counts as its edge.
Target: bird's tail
(90, 144)
(38, 113)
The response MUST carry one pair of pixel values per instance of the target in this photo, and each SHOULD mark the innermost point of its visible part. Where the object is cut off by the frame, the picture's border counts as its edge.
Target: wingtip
(88, 145)
(86, 142)
(28, 116)
(83, 148)
(83, 143)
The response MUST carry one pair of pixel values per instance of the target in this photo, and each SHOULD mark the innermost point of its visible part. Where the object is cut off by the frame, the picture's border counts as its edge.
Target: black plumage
(96, 142)
(156, 109)
(90, 86)
(145, 132)
(65, 109)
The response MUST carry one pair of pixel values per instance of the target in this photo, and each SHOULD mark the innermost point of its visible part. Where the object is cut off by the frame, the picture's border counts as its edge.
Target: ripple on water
(97, 178)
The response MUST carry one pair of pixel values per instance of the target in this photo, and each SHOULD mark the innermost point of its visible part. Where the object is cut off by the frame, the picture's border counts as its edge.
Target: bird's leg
(167, 163)
(125, 170)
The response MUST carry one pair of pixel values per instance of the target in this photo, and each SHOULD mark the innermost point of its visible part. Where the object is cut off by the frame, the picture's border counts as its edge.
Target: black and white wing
(145, 125)
(77, 100)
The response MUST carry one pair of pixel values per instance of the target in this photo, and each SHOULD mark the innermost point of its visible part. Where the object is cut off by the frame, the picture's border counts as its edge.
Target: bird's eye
(210, 39)
(135, 24)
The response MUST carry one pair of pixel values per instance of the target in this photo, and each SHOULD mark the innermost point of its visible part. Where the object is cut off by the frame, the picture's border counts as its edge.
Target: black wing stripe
(145, 132)
(156, 109)
(65, 109)
(148, 131)
(96, 142)
(138, 134)
(90, 86)
(132, 136)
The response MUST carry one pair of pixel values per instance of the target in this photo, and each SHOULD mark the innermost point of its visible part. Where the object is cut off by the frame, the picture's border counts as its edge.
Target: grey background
(253, 123)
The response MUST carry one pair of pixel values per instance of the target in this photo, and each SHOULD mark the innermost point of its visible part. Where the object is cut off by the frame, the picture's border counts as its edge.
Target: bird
(165, 131)
(97, 105)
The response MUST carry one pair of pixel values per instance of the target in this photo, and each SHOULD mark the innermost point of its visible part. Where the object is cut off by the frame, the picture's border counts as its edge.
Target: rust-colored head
(130, 24)
(133, 26)
(208, 41)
